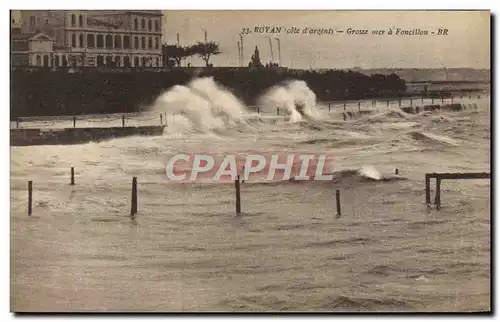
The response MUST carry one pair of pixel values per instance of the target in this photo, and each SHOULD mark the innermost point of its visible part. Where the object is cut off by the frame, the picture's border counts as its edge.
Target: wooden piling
(396, 171)
(133, 209)
(238, 197)
(123, 120)
(344, 105)
(74, 121)
(161, 118)
(359, 106)
(411, 101)
(278, 110)
(30, 197)
(427, 190)
(422, 101)
(432, 100)
(437, 199)
(387, 103)
(442, 99)
(329, 107)
(399, 102)
(258, 110)
(72, 176)
(452, 99)
(17, 123)
(337, 197)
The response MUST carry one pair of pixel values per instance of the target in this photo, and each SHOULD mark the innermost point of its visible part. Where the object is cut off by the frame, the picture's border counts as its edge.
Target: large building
(115, 38)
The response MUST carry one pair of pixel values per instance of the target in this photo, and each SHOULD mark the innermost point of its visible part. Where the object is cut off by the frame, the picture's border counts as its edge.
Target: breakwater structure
(66, 136)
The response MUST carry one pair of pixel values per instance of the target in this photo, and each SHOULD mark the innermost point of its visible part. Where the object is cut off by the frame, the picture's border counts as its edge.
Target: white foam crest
(203, 103)
(294, 97)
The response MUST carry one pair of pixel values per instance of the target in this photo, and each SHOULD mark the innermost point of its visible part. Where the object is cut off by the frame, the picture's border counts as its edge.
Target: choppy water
(188, 251)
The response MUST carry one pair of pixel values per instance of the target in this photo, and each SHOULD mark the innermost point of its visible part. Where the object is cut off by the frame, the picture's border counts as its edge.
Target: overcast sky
(467, 45)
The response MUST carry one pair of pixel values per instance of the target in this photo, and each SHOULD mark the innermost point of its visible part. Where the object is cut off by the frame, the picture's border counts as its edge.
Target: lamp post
(279, 49)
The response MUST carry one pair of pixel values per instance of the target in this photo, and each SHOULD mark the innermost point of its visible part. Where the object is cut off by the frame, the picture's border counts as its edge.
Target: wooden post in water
(161, 118)
(427, 190)
(238, 197)
(30, 197)
(399, 102)
(432, 100)
(422, 100)
(359, 106)
(396, 171)
(123, 120)
(74, 121)
(442, 99)
(451, 99)
(337, 197)
(258, 110)
(133, 209)
(72, 176)
(17, 123)
(278, 110)
(411, 101)
(344, 106)
(328, 107)
(387, 103)
(437, 200)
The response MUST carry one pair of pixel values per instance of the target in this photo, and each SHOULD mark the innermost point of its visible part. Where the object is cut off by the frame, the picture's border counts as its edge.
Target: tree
(205, 50)
(177, 53)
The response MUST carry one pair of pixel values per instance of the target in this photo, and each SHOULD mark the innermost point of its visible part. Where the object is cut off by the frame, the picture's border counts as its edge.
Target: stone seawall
(27, 137)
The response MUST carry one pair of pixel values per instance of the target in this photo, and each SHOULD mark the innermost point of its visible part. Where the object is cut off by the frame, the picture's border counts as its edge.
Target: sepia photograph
(250, 161)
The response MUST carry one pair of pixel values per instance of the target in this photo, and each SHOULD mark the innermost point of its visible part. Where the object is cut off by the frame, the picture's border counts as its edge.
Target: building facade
(96, 38)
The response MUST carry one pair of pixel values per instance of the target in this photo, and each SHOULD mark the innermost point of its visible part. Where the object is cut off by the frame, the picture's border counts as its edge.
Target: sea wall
(27, 137)
(47, 92)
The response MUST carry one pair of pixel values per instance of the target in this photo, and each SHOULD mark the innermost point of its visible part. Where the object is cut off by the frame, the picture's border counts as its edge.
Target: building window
(100, 41)
(157, 61)
(46, 21)
(32, 21)
(90, 41)
(157, 43)
(144, 61)
(56, 60)
(38, 60)
(157, 25)
(150, 25)
(150, 43)
(126, 42)
(143, 43)
(136, 42)
(109, 41)
(100, 60)
(73, 40)
(136, 61)
(118, 61)
(136, 24)
(143, 24)
(118, 41)
(126, 61)
(81, 41)
(46, 60)
(80, 20)
(73, 20)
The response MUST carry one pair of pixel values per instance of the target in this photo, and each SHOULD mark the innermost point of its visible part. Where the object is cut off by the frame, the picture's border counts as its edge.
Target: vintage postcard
(250, 161)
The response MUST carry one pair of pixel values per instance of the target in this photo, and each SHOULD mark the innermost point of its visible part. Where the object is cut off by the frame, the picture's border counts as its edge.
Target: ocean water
(187, 250)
